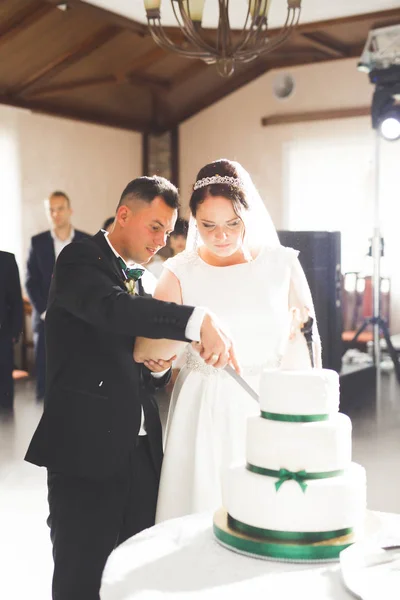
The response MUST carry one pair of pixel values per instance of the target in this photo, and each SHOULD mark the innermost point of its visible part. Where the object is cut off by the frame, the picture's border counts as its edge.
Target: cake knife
(242, 382)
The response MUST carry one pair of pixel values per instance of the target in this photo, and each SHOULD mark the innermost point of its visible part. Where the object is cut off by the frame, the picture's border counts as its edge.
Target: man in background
(11, 318)
(108, 224)
(177, 240)
(44, 250)
(176, 244)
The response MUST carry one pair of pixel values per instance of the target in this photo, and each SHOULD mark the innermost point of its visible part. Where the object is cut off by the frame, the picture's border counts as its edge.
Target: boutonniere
(130, 285)
(131, 276)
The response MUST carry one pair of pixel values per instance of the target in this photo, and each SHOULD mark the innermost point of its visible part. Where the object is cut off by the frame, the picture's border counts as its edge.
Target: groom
(100, 433)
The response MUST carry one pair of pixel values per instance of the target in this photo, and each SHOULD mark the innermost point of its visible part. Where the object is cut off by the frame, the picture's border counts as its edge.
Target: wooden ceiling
(92, 65)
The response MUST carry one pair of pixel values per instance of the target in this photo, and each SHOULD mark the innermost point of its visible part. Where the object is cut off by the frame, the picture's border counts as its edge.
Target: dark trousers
(6, 370)
(40, 360)
(88, 519)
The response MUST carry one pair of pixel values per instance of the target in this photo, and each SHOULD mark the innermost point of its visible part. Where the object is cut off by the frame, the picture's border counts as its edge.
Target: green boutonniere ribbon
(130, 274)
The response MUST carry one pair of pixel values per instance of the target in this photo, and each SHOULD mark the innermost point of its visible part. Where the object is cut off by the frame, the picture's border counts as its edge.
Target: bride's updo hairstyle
(231, 188)
(230, 180)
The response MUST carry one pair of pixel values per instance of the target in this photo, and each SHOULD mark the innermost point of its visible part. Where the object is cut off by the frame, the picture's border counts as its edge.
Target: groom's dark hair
(148, 188)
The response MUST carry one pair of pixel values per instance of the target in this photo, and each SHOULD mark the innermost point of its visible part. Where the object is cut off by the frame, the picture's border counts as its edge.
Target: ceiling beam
(195, 68)
(325, 44)
(75, 54)
(107, 16)
(314, 25)
(328, 23)
(23, 19)
(136, 78)
(147, 59)
(71, 86)
(316, 115)
(85, 116)
(102, 80)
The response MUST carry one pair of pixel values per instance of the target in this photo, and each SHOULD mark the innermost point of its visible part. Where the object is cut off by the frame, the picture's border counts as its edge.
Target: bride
(235, 266)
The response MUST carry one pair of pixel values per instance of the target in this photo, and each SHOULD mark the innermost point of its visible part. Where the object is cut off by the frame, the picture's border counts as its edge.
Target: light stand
(379, 324)
(381, 60)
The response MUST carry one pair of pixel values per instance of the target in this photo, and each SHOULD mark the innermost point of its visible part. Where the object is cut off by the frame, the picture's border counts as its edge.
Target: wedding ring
(214, 357)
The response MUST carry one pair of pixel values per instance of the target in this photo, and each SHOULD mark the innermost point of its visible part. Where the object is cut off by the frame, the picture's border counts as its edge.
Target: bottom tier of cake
(236, 541)
(305, 510)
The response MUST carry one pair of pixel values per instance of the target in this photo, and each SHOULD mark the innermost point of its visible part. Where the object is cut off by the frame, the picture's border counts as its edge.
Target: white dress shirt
(60, 244)
(192, 331)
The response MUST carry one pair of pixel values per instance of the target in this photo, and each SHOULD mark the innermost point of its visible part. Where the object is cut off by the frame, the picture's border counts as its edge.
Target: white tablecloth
(180, 559)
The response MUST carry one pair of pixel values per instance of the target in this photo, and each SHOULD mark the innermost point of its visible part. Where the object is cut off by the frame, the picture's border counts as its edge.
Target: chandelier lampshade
(230, 46)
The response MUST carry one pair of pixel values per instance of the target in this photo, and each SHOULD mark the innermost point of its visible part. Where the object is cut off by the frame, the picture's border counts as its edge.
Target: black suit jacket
(11, 307)
(94, 389)
(39, 271)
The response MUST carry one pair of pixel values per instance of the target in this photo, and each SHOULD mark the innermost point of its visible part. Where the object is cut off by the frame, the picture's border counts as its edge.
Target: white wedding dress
(206, 425)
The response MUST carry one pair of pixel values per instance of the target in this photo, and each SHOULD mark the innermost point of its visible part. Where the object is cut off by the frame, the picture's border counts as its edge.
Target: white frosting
(315, 447)
(309, 392)
(326, 505)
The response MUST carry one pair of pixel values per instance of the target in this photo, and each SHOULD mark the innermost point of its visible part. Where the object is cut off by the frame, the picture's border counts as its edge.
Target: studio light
(381, 60)
(390, 127)
(385, 110)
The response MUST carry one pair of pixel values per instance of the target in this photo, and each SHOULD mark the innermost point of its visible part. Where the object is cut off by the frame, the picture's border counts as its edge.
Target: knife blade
(242, 382)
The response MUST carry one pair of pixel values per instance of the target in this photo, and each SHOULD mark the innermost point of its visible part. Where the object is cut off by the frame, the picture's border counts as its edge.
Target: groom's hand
(216, 347)
(158, 366)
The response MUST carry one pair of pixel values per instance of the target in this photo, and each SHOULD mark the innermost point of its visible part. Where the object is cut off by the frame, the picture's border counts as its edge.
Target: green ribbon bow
(134, 274)
(285, 475)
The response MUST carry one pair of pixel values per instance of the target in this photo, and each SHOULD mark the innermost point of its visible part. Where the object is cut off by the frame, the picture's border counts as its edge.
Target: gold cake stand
(325, 551)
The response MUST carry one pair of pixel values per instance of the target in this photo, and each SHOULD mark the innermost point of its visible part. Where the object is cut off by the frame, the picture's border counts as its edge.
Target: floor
(25, 551)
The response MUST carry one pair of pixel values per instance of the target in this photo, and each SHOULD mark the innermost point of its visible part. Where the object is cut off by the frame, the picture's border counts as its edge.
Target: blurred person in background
(177, 240)
(108, 224)
(11, 319)
(176, 243)
(44, 250)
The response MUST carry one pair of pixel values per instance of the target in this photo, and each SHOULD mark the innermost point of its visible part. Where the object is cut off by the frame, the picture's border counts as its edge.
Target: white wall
(232, 128)
(91, 163)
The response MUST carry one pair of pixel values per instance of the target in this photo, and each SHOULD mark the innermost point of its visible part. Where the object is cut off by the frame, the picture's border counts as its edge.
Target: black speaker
(320, 258)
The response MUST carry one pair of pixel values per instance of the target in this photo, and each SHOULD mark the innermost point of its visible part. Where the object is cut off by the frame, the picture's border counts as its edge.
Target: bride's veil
(260, 232)
(259, 228)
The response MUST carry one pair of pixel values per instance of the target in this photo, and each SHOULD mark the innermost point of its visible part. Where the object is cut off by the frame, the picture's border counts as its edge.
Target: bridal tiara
(217, 179)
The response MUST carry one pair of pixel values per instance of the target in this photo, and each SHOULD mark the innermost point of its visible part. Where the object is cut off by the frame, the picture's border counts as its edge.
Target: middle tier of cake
(316, 446)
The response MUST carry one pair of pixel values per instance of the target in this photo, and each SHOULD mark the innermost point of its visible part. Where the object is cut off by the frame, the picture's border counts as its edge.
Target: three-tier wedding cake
(299, 496)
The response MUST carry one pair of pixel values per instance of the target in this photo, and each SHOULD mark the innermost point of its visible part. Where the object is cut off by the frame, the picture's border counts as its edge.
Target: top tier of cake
(310, 392)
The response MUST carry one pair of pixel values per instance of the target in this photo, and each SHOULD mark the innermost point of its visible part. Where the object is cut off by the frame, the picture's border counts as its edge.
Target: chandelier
(231, 46)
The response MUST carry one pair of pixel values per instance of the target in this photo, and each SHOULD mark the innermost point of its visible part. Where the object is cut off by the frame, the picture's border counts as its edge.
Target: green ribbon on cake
(287, 536)
(293, 418)
(299, 476)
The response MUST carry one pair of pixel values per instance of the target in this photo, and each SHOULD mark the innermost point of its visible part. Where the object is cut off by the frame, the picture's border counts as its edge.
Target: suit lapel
(141, 288)
(50, 251)
(100, 241)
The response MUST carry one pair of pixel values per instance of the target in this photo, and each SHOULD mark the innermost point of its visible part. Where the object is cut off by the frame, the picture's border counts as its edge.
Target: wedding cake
(299, 495)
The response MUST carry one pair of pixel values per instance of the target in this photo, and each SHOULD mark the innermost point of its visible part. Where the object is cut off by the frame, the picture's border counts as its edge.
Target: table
(180, 559)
